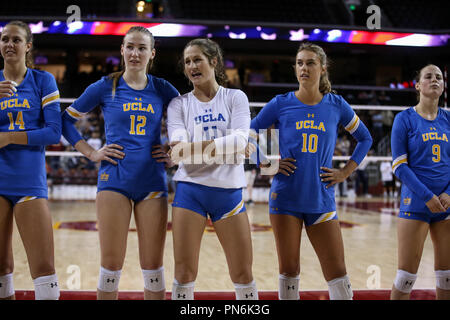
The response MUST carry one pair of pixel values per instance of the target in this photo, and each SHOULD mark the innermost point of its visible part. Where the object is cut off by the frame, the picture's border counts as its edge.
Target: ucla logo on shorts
(407, 201)
(104, 177)
(273, 196)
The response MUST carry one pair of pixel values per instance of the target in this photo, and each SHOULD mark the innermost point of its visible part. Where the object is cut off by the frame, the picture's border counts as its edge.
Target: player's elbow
(366, 140)
(369, 141)
(54, 135)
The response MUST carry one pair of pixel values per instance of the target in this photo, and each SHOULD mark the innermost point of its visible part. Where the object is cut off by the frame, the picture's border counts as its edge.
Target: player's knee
(154, 279)
(112, 263)
(6, 268)
(290, 269)
(243, 275)
(338, 272)
(404, 281)
(42, 269)
(46, 287)
(185, 273)
(443, 279)
(340, 289)
(293, 272)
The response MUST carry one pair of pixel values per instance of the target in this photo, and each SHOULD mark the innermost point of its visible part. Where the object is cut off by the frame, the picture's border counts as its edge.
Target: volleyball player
(129, 178)
(421, 160)
(210, 122)
(29, 120)
(303, 189)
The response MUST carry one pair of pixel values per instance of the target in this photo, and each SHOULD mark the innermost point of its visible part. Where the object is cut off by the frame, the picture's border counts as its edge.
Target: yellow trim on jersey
(56, 225)
(74, 113)
(234, 211)
(50, 98)
(353, 124)
(154, 195)
(25, 199)
(397, 162)
(325, 217)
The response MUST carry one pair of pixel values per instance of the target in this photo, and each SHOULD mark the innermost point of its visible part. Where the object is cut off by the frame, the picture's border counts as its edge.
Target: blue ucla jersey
(133, 121)
(308, 134)
(421, 146)
(22, 167)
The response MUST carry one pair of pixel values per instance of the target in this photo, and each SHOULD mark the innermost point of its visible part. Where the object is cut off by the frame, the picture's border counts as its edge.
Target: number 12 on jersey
(309, 143)
(137, 125)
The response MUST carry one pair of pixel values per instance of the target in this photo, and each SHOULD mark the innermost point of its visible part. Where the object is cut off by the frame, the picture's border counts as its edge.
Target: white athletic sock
(246, 291)
(6, 286)
(288, 288)
(46, 288)
(183, 291)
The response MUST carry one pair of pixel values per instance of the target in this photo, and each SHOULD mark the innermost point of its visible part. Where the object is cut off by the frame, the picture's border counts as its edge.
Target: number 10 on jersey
(309, 143)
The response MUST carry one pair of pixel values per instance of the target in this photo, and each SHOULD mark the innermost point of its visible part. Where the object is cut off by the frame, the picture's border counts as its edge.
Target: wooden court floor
(368, 228)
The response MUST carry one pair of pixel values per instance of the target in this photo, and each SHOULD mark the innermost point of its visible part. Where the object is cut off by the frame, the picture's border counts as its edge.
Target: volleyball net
(73, 177)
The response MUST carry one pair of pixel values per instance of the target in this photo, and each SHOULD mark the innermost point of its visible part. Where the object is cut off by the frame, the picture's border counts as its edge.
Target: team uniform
(34, 108)
(133, 121)
(421, 160)
(308, 134)
(211, 189)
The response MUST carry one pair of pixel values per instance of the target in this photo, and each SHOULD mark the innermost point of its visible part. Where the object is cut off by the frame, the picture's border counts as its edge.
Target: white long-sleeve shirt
(224, 119)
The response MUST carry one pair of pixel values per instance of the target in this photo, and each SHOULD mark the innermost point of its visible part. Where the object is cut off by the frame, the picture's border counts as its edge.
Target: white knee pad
(404, 281)
(246, 291)
(340, 289)
(288, 288)
(443, 279)
(183, 291)
(108, 281)
(6, 286)
(154, 280)
(46, 288)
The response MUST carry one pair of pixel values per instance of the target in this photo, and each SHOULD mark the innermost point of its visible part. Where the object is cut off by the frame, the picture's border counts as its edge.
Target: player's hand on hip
(286, 166)
(435, 205)
(7, 88)
(332, 175)
(445, 200)
(159, 153)
(106, 153)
